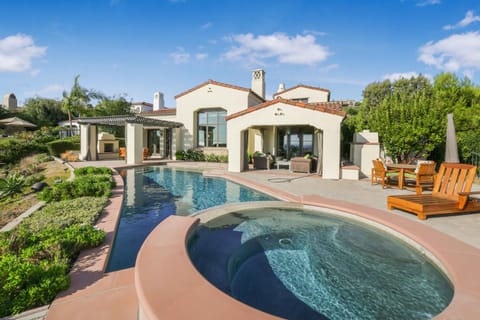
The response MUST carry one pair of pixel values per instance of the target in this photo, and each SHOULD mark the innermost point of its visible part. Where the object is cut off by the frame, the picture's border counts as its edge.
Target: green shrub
(11, 185)
(13, 150)
(29, 284)
(89, 182)
(57, 147)
(180, 155)
(194, 155)
(84, 210)
(92, 170)
(34, 178)
(35, 257)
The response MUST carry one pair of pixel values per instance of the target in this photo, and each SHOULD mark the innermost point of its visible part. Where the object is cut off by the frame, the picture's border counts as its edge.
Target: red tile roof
(221, 84)
(143, 103)
(301, 86)
(328, 107)
(167, 111)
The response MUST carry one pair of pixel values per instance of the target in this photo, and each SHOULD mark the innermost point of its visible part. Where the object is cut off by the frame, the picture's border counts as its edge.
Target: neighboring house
(158, 104)
(226, 119)
(9, 102)
(138, 107)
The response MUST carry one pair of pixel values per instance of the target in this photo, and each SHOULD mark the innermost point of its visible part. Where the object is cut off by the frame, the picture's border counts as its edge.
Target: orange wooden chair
(122, 152)
(423, 176)
(382, 175)
(146, 154)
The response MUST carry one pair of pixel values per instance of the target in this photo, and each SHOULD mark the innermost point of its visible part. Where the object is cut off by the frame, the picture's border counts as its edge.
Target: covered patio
(140, 133)
(287, 129)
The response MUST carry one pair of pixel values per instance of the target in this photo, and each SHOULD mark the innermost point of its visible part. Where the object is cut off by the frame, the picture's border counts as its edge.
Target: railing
(65, 133)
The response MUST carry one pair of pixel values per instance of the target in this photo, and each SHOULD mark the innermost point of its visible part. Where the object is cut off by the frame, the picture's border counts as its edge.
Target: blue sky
(137, 47)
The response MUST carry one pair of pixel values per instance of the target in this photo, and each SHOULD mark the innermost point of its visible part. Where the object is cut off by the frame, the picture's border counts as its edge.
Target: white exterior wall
(207, 97)
(328, 123)
(366, 148)
(301, 92)
(134, 139)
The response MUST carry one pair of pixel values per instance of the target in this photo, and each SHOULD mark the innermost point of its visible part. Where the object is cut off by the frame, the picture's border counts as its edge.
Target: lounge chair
(423, 177)
(450, 194)
(384, 176)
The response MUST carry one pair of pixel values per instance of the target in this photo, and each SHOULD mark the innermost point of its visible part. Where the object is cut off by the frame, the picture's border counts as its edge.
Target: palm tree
(77, 100)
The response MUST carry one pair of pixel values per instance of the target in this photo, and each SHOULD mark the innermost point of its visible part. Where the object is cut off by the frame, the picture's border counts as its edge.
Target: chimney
(258, 82)
(281, 87)
(158, 102)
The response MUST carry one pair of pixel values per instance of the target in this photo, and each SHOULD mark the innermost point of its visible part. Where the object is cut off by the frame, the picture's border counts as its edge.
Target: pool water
(298, 264)
(156, 192)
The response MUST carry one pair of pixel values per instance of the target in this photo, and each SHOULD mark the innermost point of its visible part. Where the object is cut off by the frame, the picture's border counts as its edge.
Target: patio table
(403, 167)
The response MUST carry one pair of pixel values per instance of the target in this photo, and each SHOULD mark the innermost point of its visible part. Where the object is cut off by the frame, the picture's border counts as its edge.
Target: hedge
(57, 147)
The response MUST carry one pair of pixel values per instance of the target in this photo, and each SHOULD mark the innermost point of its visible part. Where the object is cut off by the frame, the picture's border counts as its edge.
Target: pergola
(134, 126)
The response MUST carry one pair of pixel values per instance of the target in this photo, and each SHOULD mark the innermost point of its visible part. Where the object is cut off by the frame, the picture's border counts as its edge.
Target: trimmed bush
(198, 155)
(57, 147)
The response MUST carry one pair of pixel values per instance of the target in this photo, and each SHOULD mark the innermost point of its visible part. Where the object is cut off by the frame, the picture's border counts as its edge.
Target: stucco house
(227, 119)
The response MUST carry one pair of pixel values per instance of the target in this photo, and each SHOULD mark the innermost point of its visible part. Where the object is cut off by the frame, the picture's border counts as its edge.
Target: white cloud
(53, 90)
(206, 25)
(400, 75)
(427, 3)
(201, 56)
(297, 49)
(180, 56)
(469, 19)
(457, 52)
(17, 53)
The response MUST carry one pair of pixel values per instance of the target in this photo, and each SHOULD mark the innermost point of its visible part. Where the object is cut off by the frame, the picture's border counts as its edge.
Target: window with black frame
(212, 128)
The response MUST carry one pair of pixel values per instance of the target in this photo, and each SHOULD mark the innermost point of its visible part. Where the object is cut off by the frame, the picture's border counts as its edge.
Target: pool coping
(460, 260)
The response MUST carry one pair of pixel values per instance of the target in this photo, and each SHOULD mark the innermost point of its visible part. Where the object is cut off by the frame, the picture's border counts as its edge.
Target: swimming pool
(153, 193)
(301, 264)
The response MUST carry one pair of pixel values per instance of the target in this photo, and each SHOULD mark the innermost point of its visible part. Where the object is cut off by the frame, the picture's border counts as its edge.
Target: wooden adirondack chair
(450, 194)
(382, 175)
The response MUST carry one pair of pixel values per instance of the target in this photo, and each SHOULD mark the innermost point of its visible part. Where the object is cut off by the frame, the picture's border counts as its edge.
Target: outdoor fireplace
(107, 143)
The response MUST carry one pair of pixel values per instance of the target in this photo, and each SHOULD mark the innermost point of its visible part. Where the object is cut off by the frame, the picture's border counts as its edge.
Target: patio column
(88, 142)
(134, 143)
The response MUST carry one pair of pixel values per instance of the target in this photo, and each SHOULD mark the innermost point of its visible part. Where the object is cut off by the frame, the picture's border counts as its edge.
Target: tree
(402, 114)
(77, 100)
(43, 112)
(410, 115)
(112, 106)
(109, 107)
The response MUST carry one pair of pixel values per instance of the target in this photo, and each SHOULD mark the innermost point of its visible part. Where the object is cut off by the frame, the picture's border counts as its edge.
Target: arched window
(211, 128)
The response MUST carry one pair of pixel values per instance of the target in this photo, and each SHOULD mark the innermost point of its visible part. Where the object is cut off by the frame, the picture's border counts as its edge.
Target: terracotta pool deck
(97, 295)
